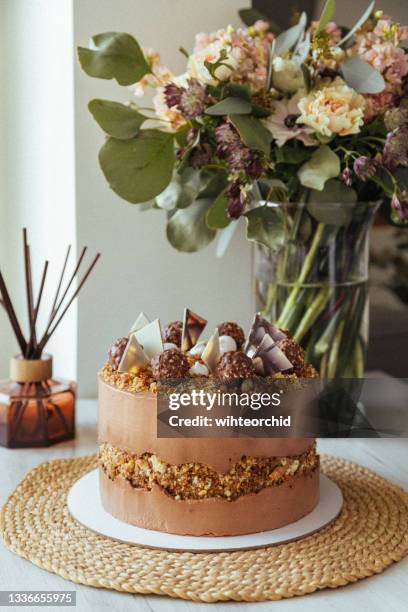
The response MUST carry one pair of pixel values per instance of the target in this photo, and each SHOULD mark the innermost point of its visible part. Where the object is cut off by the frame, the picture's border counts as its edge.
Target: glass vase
(314, 282)
(35, 409)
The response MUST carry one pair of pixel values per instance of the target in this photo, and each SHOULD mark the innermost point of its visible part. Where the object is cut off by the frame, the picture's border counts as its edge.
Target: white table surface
(387, 591)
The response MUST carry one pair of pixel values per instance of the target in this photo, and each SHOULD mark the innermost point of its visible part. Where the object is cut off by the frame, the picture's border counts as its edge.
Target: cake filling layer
(198, 480)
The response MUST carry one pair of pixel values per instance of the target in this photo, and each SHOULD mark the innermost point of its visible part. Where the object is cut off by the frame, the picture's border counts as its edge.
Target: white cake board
(84, 503)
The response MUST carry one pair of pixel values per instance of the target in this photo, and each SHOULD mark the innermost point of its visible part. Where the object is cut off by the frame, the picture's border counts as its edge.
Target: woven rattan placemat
(370, 534)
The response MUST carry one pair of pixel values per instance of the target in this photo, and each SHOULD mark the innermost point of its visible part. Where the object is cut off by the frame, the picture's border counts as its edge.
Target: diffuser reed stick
(33, 346)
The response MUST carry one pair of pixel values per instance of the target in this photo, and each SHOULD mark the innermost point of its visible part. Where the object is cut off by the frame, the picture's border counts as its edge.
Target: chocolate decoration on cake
(141, 321)
(212, 352)
(293, 351)
(170, 365)
(229, 328)
(150, 337)
(193, 326)
(259, 328)
(272, 358)
(134, 358)
(173, 333)
(235, 364)
(116, 352)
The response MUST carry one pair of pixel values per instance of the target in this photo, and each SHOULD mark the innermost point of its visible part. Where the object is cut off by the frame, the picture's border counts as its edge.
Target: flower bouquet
(303, 134)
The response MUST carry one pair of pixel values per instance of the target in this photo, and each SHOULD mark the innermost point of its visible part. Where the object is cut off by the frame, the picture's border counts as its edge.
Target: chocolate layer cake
(199, 486)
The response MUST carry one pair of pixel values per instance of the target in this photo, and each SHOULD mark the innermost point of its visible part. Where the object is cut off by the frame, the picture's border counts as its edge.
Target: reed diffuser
(35, 409)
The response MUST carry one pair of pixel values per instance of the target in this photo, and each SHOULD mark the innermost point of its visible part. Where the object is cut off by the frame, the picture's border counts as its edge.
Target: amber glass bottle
(35, 409)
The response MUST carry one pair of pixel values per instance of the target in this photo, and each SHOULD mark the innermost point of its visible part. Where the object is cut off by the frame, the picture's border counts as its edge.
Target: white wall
(36, 155)
(138, 269)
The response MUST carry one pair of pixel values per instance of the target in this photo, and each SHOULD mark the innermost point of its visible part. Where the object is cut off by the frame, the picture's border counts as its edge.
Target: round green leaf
(181, 191)
(361, 76)
(187, 229)
(116, 119)
(322, 166)
(114, 55)
(140, 168)
(334, 205)
(217, 217)
(253, 133)
(229, 106)
(265, 225)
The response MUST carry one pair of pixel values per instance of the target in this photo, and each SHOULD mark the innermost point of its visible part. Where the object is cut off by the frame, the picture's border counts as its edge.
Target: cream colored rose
(212, 53)
(287, 75)
(333, 109)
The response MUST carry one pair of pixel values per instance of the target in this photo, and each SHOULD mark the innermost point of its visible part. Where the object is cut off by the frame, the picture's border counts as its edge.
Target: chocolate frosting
(129, 421)
(271, 508)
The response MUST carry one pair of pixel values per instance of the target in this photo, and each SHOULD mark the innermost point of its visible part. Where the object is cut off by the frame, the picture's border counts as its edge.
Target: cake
(199, 486)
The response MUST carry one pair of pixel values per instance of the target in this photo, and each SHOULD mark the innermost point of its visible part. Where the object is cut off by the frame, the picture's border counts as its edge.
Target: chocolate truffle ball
(116, 352)
(235, 364)
(293, 351)
(170, 365)
(172, 333)
(229, 328)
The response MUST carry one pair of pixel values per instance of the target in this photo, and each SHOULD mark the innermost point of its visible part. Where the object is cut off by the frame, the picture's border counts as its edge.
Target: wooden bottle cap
(30, 370)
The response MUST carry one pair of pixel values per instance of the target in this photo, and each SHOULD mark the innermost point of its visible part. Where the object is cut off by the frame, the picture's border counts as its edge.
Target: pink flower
(391, 61)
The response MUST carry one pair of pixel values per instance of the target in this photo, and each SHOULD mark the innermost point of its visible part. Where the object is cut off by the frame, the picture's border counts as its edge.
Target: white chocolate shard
(140, 322)
(150, 337)
(212, 353)
(134, 358)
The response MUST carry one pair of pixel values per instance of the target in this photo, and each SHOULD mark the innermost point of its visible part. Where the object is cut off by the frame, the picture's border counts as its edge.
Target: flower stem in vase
(312, 313)
(334, 353)
(307, 266)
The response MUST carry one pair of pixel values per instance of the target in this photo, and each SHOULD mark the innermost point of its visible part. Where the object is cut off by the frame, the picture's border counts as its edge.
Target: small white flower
(287, 75)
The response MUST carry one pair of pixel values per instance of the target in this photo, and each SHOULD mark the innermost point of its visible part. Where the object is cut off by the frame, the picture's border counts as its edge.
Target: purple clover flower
(193, 99)
(347, 176)
(365, 167)
(172, 94)
(395, 151)
(400, 204)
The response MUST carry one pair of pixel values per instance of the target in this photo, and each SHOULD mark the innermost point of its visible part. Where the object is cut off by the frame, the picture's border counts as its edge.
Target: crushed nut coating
(198, 480)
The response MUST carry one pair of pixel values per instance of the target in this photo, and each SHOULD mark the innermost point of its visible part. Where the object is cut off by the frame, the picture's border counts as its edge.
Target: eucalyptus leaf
(230, 106)
(217, 216)
(187, 230)
(291, 155)
(360, 22)
(140, 168)
(327, 15)
(287, 39)
(303, 49)
(114, 55)
(334, 205)
(361, 76)
(265, 226)
(322, 166)
(116, 119)
(212, 183)
(253, 133)
(181, 191)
